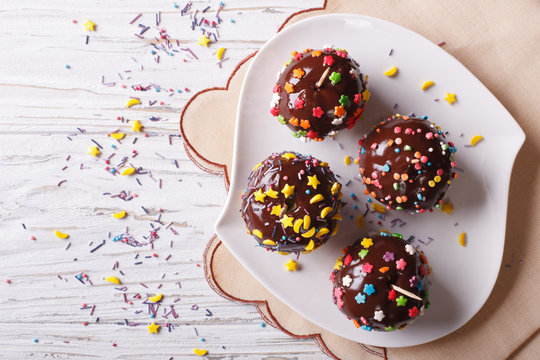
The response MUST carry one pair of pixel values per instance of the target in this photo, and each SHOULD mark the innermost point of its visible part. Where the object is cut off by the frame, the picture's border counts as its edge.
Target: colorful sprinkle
(451, 98)
(476, 139)
(401, 300)
(391, 72)
(427, 84)
(360, 298)
(291, 265)
(369, 289)
(61, 235)
(335, 78)
(153, 328)
(400, 264)
(463, 239)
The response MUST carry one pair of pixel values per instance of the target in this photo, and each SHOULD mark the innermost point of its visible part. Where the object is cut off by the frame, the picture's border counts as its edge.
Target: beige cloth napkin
(499, 42)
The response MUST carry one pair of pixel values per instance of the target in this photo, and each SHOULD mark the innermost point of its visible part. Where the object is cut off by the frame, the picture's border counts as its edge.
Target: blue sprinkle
(36, 340)
(179, 91)
(355, 207)
(397, 150)
(283, 237)
(176, 6)
(263, 325)
(420, 285)
(232, 21)
(379, 216)
(351, 217)
(365, 327)
(202, 339)
(386, 168)
(425, 117)
(429, 163)
(368, 200)
(363, 151)
(360, 298)
(308, 192)
(419, 196)
(68, 67)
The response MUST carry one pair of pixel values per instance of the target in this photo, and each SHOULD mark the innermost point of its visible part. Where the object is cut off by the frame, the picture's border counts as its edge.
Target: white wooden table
(58, 92)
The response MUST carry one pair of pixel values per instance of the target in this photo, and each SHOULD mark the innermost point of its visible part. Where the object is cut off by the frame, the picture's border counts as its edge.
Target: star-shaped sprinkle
(259, 195)
(339, 111)
(344, 100)
(388, 256)
(414, 312)
(401, 301)
(410, 249)
(318, 112)
(313, 181)
(363, 253)
(451, 98)
(298, 103)
(298, 73)
(276, 210)
(305, 124)
(360, 298)
(339, 263)
(203, 40)
(413, 281)
(289, 88)
(316, 53)
(347, 280)
(287, 221)
(288, 156)
(89, 26)
(379, 315)
(328, 60)
(367, 267)
(447, 207)
(357, 99)
(366, 242)
(291, 265)
(392, 295)
(400, 264)
(369, 289)
(288, 190)
(335, 78)
(153, 328)
(136, 126)
(94, 151)
(271, 193)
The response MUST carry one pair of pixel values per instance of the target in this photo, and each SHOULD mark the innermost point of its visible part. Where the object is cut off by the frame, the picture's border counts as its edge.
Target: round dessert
(406, 163)
(381, 283)
(319, 93)
(291, 203)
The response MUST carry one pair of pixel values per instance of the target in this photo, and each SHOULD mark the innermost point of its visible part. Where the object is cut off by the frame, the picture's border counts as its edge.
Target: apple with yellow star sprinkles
(381, 283)
(318, 93)
(406, 163)
(292, 203)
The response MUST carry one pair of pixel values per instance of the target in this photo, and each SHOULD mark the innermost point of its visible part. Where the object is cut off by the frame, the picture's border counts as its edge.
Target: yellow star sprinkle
(276, 210)
(291, 265)
(259, 195)
(313, 181)
(451, 98)
(203, 40)
(367, 242)
(447, 207)
(153, 328)
(94, 151)
(287, 221)
(136, 126)
(89, 26)
(288, 190)
(288, 156)
(271, 193)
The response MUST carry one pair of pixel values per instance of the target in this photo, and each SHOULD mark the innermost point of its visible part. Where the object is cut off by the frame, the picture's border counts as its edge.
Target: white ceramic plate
(463, 277)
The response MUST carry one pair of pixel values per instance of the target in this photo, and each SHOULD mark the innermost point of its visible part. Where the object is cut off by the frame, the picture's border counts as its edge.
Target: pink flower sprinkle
(328, 60)
(276, 88)
(298, 103)
(357, 99)
(397, 130)
(318, 112)
(341, 53)
(400, 264)
(414, 312)
(367, 267)
(408, 131)
(274, 111)
(429, 135)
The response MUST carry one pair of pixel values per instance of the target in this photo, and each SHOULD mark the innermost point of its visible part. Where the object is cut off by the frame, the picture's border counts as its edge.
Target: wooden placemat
(497, 41)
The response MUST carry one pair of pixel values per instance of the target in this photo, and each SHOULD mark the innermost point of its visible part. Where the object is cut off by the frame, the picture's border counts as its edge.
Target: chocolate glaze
(363, 314)
(265, 221)
(313, 64)
(418, 175)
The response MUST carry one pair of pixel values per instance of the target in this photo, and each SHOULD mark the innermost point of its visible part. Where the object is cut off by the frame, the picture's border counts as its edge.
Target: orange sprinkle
(356, 323)
(339, 110)
(293, 121)
(305, 124)
(298, 73)
(289, 87)
(384, 269)
(316, 53)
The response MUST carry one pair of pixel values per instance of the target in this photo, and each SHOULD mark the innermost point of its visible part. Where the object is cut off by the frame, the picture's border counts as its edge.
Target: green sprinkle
(399, 208)
(335, 78)
(389, 328)
(363, 253)
(295, 135)
(401, 301)
(407, 148)
(397, 235)
(344, 100)
(396, 186)
(281, 119)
